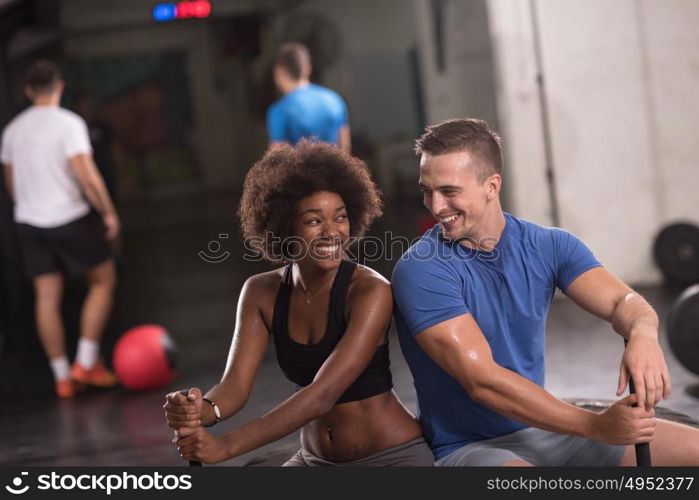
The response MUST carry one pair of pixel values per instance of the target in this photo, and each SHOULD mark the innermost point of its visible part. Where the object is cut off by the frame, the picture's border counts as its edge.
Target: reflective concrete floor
(164, 280)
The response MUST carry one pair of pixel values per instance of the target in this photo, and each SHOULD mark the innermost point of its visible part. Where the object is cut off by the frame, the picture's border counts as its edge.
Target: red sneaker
(97, 375)
(65, 389)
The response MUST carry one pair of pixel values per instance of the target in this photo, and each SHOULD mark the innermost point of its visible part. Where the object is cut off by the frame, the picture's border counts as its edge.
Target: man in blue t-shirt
(472, 297)
(307, 110)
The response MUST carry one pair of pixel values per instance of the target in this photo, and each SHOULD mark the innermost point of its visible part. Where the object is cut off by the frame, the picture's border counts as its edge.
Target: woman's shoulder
(264, 283)
(369, 290)
(369, 275)
(367, 280)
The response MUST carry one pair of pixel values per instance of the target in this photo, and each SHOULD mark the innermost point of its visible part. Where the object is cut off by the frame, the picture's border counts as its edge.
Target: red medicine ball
(144, 358)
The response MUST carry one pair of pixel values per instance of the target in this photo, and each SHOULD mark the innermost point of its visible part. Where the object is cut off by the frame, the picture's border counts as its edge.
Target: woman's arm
(369, 305)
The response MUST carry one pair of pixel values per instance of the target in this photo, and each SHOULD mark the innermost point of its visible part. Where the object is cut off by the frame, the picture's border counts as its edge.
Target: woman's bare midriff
(358, 429)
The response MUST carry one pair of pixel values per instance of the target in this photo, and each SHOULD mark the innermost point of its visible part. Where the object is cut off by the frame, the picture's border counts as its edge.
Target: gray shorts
(537, 447)
(415, 453)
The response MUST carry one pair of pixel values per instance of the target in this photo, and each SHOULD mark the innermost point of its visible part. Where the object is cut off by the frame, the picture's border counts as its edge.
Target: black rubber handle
(192, 463)
(642, 449)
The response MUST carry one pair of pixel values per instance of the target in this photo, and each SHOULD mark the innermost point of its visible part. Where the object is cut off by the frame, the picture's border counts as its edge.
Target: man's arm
(8, 181)
(345, 139)
(93, 186)
(461, 349)
(601, 293)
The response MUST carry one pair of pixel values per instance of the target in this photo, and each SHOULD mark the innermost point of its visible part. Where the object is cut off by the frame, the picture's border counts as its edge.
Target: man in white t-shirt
(53, 180)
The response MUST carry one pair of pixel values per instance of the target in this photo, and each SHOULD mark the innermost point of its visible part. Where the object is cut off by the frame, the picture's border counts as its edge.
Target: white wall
(519, 110)
(671, 37)
(465, 86)
(620, 80)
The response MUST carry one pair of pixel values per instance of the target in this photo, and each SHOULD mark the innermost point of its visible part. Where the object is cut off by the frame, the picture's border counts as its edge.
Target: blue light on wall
(164, 12)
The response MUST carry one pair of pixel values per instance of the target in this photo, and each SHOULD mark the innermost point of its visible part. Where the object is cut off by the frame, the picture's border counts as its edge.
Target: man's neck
(47, 100)
(291, 86)
(489, 230)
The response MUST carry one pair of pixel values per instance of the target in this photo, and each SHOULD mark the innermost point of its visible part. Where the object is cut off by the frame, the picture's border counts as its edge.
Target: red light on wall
(197, 9)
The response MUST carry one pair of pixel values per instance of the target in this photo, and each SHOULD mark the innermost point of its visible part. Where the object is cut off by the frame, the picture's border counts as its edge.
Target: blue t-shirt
(311, 112)
(508, 291)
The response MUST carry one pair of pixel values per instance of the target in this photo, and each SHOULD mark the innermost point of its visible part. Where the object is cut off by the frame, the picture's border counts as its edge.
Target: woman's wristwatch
(217, 411)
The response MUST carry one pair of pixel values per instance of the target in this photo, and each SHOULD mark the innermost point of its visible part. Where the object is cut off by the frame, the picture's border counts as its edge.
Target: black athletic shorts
(72, 248)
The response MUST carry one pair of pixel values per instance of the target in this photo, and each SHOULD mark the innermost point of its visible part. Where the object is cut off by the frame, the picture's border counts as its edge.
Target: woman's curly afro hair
(285, 175)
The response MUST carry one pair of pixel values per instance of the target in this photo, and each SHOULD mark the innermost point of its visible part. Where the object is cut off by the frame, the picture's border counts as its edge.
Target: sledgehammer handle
(642, 449)
(192, 463)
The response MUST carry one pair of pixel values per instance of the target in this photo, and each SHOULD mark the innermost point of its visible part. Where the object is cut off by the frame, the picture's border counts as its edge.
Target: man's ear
(493, 184)
(29, 92)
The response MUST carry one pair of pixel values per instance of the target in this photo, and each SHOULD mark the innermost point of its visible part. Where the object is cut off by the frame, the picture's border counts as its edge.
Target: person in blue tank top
(471, 301)
(307, 110)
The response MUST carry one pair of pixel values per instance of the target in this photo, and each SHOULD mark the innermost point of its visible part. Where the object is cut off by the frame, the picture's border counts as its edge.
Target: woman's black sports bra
(300, 362)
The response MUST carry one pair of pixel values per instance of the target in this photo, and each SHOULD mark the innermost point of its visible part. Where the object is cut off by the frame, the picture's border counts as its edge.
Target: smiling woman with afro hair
(285, 175)
(328, 318)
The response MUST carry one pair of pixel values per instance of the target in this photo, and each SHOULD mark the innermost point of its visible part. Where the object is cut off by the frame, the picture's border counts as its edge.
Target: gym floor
(163, 280)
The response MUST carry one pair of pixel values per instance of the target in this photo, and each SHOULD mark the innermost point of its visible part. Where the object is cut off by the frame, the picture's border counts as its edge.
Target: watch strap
(217, 411)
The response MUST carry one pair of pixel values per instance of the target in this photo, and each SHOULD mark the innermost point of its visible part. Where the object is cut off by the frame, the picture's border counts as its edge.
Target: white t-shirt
(37, 144)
